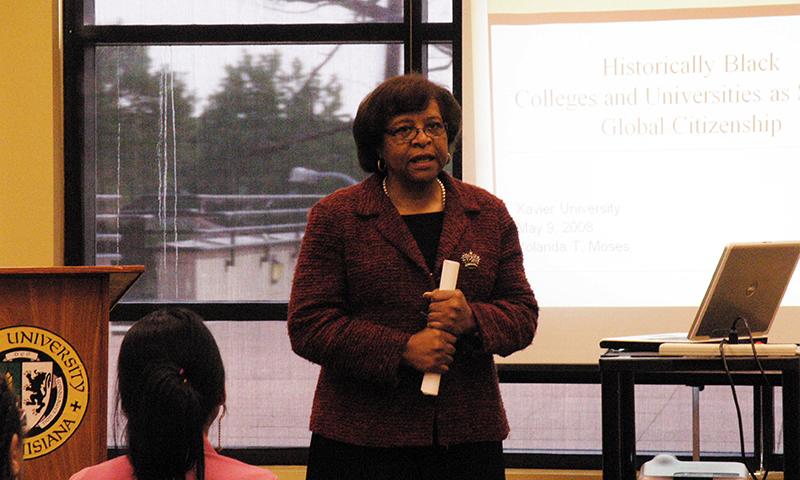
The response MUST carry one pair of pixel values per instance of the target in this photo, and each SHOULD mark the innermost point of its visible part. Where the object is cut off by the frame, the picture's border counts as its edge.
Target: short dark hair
(395, 96)
(170, 381)
(10, 424)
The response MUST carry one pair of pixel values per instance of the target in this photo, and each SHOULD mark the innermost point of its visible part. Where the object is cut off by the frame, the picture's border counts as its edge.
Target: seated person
(10, 433)
(171, 387)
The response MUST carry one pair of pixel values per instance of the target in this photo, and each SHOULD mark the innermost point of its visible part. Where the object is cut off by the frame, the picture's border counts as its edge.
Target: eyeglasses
(407, 133)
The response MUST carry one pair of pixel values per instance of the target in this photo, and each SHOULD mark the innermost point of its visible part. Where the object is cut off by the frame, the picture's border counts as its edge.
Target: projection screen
(630, 146)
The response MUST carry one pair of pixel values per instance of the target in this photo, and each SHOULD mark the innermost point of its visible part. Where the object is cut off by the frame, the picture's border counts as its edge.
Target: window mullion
(75, 189)
(251, 34)
(415, 46)
(457, 75)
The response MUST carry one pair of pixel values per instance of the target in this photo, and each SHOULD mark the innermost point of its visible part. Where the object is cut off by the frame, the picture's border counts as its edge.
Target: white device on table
(667, 466)
(430, 381)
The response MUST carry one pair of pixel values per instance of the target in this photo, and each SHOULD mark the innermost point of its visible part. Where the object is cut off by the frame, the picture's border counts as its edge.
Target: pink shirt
(218, 467)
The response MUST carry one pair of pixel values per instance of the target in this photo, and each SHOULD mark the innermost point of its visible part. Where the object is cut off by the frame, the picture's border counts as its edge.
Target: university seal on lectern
(51, 382)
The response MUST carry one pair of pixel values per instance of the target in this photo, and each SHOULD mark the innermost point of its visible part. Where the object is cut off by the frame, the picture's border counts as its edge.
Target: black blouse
(426, 228)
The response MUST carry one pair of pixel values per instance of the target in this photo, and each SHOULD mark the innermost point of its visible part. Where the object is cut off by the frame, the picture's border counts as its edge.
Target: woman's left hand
(450, 311)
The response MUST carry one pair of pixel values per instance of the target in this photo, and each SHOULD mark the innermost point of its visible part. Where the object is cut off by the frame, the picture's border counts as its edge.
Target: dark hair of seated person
(10, 425)
(171, 384)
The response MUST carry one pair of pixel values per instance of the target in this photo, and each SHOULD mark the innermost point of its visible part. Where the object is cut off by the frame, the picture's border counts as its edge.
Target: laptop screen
(748, 285)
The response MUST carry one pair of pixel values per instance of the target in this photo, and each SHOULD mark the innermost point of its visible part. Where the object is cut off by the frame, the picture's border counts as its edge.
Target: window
(208, 157)
(199, 133)
(197, 136)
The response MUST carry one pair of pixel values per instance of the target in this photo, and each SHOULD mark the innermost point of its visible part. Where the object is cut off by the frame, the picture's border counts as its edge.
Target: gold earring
(219, 434)
(219, 427)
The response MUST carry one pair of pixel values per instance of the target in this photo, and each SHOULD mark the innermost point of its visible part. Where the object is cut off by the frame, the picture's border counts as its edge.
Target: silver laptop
(749, 283)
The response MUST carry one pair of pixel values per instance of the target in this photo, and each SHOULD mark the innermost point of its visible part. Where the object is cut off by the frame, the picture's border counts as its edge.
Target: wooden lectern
(54, 349)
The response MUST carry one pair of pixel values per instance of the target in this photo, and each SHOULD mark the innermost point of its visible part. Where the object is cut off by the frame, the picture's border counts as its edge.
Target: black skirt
(332, 460)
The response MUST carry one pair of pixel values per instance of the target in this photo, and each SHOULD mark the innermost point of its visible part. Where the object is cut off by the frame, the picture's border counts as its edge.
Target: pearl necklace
(441, 186)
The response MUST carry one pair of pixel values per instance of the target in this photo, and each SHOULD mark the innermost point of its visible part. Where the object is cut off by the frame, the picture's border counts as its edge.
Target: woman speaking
(365, 306)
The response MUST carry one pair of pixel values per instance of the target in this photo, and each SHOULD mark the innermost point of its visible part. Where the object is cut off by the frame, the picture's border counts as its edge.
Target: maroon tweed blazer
(357, 298)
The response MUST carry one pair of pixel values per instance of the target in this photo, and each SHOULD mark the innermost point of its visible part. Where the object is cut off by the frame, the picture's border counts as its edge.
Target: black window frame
(81, 37)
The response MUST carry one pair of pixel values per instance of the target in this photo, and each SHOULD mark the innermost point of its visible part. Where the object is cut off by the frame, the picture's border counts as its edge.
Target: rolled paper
(430, 381)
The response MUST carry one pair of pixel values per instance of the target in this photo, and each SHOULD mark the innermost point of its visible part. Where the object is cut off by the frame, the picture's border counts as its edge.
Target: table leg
(612, 426)
(791, 424)
(763, 426)
(628, 425)
(758, 426)
(619, 435)
(768, 413)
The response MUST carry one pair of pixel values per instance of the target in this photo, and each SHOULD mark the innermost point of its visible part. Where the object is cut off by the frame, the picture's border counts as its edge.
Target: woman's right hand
(430, 350)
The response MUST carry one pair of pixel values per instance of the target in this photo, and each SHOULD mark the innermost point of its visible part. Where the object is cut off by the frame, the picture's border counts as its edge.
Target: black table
(620, 371)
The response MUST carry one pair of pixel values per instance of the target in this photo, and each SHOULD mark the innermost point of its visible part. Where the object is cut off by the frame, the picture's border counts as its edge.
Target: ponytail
(171, 381)
(165, 426)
